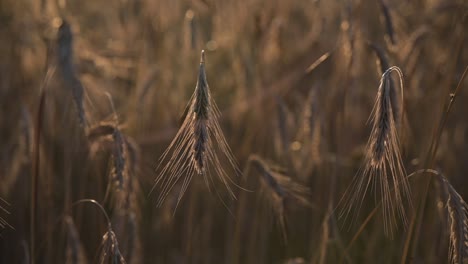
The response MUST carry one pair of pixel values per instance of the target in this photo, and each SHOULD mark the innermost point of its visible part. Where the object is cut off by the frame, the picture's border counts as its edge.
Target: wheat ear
(457, 211)
(197, 146)
(279, 189)
(67, 69)
(383, 166)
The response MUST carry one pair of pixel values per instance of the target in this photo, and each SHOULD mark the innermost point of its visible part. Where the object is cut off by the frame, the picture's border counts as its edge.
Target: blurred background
(93, 92)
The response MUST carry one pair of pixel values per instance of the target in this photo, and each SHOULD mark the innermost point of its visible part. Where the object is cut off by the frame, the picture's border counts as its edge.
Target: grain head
(279, 190)
(457, 211)
(383, 168)
(197, 146)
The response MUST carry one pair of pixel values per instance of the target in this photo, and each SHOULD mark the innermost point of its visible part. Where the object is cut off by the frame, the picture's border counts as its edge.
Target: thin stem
(429, 164)
(92, 201)
(36, 165)
(241, 209)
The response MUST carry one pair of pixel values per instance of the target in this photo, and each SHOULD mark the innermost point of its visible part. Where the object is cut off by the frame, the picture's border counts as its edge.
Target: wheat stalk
(457, 211)
(125, 156)
(383, 165)
(195, 148)
(109, 251)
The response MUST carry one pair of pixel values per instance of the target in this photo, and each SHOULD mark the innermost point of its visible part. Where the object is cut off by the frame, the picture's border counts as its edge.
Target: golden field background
(295, 83)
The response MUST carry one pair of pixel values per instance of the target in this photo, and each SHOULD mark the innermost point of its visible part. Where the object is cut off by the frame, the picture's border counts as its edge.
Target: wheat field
(217, 131)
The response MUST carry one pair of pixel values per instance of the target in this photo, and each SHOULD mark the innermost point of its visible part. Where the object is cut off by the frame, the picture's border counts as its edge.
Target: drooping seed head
(383, 167)
(457, 211)
(110, 252)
